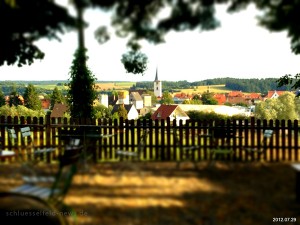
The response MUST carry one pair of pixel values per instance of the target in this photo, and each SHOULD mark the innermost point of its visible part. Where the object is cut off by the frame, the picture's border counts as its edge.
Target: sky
(237, 49)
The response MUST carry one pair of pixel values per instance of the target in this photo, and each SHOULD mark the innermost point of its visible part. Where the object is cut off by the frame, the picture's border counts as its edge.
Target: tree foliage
(166, 98)
(278, 16)
(202, 115)
(2, 98)
(15, 97)
(31, 98)
(23, 23)
(20, 111)
(282, 108)
(122, 112)
(131, 19)
(81, 93)
(56, 97)
(101, 111)
(207, 98)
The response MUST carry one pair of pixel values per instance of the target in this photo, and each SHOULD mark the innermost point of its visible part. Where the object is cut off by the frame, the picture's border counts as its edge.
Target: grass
(114, 86)
(159, 194)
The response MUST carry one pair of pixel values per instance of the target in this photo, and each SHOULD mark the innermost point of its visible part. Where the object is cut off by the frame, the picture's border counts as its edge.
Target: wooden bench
(29, 155)
(55, 191)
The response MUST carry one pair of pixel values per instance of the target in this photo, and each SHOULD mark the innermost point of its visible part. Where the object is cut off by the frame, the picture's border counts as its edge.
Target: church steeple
(157, 86)
(156, 76)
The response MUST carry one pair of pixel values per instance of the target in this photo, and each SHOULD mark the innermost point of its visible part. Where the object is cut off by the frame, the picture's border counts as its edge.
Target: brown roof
(59, 110)
(135, 96)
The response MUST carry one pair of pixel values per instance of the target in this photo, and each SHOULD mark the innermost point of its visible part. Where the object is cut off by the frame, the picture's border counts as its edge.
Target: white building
(157, 86)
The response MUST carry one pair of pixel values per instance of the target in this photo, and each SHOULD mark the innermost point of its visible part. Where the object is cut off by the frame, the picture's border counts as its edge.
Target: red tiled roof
(271, 93)
(254, 96)
(235, 94)
(163, 112)
(221, 98)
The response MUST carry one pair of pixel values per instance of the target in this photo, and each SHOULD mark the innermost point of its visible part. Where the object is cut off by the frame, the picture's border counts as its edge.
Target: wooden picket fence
(165, 137)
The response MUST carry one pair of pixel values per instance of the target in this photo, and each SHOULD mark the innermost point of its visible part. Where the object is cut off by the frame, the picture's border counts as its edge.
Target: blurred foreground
(160, 194)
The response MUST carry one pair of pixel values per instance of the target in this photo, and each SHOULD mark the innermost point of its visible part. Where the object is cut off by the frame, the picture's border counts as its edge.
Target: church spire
(156, 75)
(157, 86)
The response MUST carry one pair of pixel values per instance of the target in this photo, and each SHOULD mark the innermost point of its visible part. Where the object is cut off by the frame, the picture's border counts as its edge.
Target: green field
(213, 88)
(120, 85)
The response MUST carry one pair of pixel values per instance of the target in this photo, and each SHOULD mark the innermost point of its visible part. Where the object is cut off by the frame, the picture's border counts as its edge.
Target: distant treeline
(244, 85)
(20, 86)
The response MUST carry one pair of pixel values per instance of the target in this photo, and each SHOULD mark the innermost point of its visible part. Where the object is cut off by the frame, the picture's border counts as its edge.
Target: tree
(207, 98)
(15, 98)
(29, 21)
(2, 99)
(56, 97)
(122, 112)
(31, 98)
(102, 111)
(281, 108)
(135, 61)
(278, 16)
(167, 98)
(134, 20)
(192, 102)
(81, 93)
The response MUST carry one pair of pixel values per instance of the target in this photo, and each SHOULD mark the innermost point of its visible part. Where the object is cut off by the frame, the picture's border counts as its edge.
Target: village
(138, 103)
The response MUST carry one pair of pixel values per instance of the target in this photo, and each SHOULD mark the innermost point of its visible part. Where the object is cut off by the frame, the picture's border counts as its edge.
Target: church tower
(157, 86)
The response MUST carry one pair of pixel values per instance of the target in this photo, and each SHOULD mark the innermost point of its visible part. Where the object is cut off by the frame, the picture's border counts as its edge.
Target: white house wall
(139, 104)
(133, 114)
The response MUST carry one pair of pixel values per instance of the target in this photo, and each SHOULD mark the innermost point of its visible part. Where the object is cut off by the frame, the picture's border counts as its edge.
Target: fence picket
(161, 141)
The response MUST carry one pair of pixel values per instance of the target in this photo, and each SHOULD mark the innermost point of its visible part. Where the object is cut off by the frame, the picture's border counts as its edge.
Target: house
(274, 94)
(123, 97)
(103, 99)
(221, 98)
(132, 113)
(144, 111)
(136, 99)
(170, 111)
(45, 104)
(178, 98)
(235, 94)
(235, 97)
(59, 110)
(253, 98)
(147, 100)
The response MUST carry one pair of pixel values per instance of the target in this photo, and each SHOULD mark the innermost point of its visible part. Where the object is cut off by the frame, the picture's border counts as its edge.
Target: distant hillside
(48, 86)
(217, 85)
(229, 84)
